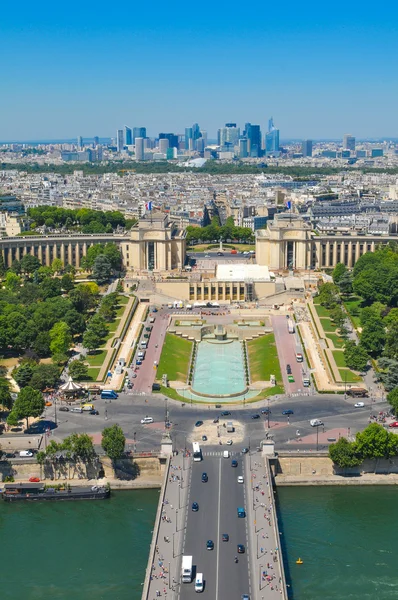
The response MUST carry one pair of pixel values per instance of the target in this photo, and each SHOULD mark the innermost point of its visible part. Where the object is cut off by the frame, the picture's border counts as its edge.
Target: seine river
(346, 537)
(80, 550)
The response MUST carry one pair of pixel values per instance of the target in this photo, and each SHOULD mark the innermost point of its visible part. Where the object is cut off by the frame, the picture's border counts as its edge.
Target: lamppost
(176, 519)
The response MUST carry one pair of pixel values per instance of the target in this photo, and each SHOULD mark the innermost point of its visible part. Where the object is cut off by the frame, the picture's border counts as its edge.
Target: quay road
(218, 501)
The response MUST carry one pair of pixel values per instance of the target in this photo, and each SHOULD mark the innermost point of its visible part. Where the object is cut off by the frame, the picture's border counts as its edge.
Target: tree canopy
(113, 441)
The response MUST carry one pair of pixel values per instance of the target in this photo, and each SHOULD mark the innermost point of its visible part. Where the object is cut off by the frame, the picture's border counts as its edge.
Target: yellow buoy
(299, 561)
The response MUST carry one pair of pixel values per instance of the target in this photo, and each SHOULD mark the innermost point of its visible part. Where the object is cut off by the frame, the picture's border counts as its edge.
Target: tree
(345, 283)
(338, 272)
(376, 442)
(102, 269)
(343, 453)
(355, 356)
(57, 265)
(23, 373)
(329, 295)
(81, 445)
(67, 282)
(5, 395)
(29, 403)
(61, 338)
(91, 340)
(338, 316)
(29, 264)
(389, 376)
(12, 282)
(373, 337)
(392, 398)
(78, 370)
(44, 376)
(369, 313)
(41, 345)
(391, 347)
(12, 419)
(113, 442)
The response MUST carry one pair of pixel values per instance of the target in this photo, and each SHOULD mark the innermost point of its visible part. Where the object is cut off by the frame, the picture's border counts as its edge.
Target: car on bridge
(241, 549)
(195, 506)
(225, 537)
(288, 412)
(240, 479)
(234, 463)
(245, 450)
(210, 545)
(205, 478)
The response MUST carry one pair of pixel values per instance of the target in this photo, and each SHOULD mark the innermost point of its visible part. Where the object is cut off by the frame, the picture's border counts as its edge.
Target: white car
(359, 404)
(316, 423)
(241, 479)
(146, 420)
(229, 442)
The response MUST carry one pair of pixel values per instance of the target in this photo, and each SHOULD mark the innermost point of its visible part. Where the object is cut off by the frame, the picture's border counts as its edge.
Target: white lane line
(218, 526)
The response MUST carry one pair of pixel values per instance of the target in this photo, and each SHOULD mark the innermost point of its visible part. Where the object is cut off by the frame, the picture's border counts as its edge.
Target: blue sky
(321, 70)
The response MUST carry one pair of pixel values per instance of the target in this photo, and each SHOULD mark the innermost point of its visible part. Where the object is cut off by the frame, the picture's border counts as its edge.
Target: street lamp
(176, 519)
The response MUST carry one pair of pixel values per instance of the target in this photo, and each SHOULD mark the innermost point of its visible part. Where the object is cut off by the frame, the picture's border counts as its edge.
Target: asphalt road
(218, 501)
(128, 410)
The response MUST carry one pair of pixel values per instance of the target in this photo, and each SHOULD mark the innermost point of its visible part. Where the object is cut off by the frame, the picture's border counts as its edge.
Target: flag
(148, 205)
(288, 204)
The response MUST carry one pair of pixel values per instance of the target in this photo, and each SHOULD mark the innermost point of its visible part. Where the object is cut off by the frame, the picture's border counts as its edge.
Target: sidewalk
(267, 576)
(163, 571)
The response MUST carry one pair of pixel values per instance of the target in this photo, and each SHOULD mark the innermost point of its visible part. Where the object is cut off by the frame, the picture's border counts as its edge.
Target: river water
(346, 537)
(81, 550)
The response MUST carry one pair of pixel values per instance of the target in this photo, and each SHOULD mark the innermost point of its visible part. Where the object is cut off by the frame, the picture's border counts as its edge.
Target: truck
(290, 326)
(186, 569)
(306, 381)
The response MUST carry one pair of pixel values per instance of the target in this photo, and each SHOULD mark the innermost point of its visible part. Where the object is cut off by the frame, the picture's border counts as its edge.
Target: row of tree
(373, 442)
(213, 233)
(53, 216)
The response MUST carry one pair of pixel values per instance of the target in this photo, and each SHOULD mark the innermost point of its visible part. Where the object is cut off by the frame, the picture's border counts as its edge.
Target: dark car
(93, 411)
(9, 455)
(234, 463)
(225, 413)
(288, 369)
(288, 412)
(210, 545)
(220, 253)
(255, 416)
(241, 549)
(198, 423)
(225, 537)
(64, 408)
(266, 411)
(205, 479)
(216, 420)
(195, 506)
(204, 438)
(245, 450)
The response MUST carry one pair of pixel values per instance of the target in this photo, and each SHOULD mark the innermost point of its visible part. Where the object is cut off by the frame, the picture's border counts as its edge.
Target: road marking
(218, 526)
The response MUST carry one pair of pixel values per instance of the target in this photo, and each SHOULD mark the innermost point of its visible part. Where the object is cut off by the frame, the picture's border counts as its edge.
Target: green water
(76, 550)
(346, 537)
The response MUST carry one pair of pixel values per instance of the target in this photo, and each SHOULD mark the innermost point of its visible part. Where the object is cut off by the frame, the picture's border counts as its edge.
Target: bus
(197, 453)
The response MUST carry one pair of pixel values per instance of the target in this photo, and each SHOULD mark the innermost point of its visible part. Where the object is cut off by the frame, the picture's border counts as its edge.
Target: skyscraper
(243, 142)
(140, 148)
(80, 142)
(306, 147)
(96, 140)
(228, 136)
(272, 138)
(163, 145)
(348, 142)
(119, 140)
(128, 135)
(188, 138)
(173, 139)
(253, 135)
(139, 132)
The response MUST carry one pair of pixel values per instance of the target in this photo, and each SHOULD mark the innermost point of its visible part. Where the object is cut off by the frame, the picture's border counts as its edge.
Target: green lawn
(174, 360)
(322, 311)
(93, 374)
(349, 376)
(226, 248)
(96, 359)
(120, 310)
(339, 358)
(354, 306)
(122, 300)
(113, 326)
(263, 359)
(328, 326)
(338, 342)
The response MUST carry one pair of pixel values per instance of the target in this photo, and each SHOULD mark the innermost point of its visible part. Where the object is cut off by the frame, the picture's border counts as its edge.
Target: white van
(144, 345)
(26, 454)
(141, 354)
(226, 453)
(199, 582)
(316, 422)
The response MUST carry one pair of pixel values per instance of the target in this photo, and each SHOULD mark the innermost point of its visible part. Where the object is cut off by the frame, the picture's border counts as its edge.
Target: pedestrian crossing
(220, 454)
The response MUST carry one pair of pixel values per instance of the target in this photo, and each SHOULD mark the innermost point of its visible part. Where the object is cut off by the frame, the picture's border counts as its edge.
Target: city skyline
(320, 73)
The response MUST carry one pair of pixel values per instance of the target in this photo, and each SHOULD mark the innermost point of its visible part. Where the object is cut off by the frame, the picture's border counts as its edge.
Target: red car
(394, 424)
(34, 479)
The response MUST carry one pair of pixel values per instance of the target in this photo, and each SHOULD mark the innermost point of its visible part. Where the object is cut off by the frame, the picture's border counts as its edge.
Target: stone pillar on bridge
(166, 445)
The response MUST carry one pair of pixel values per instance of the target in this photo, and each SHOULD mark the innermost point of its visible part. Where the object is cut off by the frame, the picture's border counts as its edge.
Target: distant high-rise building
(188, 138)
(140, 148)
(139, 132)
(80, 142)
(348, 142)
(203, 135)
(229, 135)
(163, 145)
(272, 138)
(128, 135)
(173, 139)
(253, 135)
(243, 143)
(96, 140)
(306, 147)
(119, 140)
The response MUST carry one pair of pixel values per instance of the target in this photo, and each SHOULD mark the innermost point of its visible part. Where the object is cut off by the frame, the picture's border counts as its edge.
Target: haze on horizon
(320, 71)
